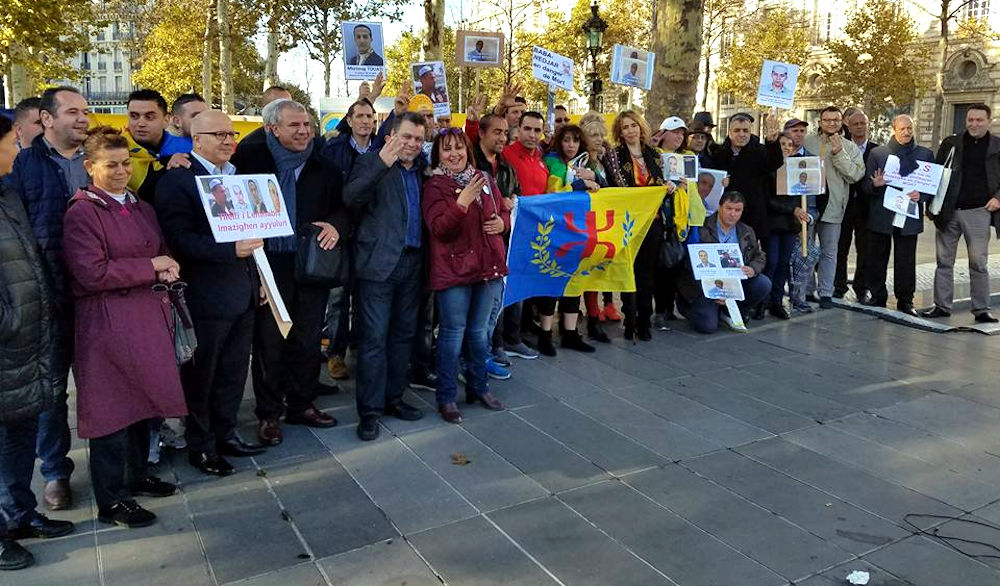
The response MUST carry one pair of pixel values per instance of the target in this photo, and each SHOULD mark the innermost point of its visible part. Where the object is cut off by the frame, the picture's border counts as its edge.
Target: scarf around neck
(286, 162)
(463, 178)
(907, 156)
(142, 159)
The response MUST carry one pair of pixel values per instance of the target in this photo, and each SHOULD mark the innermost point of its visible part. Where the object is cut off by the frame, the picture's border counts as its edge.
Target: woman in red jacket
(466, 215)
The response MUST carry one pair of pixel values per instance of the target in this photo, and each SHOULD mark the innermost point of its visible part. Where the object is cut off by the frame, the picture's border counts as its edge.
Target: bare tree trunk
(434, 19)
(677, 45)
(206, 59)
(225, 57)
(18, 83)
(939, 78)
(708, 72)
(273, 52)
(327, 66)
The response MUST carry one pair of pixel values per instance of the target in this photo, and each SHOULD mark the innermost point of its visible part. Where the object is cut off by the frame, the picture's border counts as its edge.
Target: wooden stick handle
(805, 230)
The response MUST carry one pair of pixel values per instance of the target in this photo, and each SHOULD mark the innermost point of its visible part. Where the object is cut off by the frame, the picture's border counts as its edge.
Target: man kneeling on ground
(725, 227)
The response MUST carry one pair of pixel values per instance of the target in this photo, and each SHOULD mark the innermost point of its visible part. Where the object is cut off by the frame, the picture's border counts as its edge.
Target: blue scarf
(286, 162)
(907, 155)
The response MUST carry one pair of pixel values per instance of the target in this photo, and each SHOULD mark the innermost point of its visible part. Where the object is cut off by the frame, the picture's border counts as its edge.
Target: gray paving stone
(666, 438)
(488, 481)
(837, 576)
(539, 456)
(788, 550)
(685, 553)
(974, 536)
(595, 442)
(571, 548)
(68, 560)
(386, 563)
(647, 369)
(409, 492)
(762, 415)
(593, 369)
(693, 416)
(299, 444)
(991, 513)
(892, 465)
(545, 377)
(474, 552)
(514, 393)
(922, 562)
(328, 508)
(838, 522)
(176, 559)
(966, 422)
(241, 528)
(808, 405)
(848, 483)
(301, 575)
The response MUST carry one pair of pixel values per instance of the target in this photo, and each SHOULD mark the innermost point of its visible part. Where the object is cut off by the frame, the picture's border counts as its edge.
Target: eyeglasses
(222, 135)
(176, 287)
(562, 120)
(449, 130)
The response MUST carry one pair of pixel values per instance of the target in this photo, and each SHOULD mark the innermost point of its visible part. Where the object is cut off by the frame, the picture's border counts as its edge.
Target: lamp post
(594, 29)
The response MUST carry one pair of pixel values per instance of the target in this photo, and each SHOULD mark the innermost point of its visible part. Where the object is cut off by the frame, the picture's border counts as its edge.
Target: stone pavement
(792, 454)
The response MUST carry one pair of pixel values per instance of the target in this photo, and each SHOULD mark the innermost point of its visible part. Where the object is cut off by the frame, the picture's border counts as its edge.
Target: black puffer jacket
(25, 316)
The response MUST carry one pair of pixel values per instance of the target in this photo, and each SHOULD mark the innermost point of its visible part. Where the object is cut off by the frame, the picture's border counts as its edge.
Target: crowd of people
(103, 230)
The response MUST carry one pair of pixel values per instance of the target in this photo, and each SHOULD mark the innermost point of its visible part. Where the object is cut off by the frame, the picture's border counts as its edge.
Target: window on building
(118, 84)
(723, 131)
(979, 9)
(728, 99)
(958, 119)
(102, 84)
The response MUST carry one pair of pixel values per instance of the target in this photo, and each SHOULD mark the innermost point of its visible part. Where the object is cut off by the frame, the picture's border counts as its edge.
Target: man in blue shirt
(388, 266)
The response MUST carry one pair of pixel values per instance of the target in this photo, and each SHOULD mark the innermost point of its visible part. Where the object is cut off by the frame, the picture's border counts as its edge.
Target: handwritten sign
(552, 68)
(925, 179)
(239, 207)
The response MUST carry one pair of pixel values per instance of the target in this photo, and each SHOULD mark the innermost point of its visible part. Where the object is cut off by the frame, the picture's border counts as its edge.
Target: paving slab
(476, 553)
(534, 453)
(922, 562)
(964, 421)
(67, 560)
(594, 369)
(682, 551)
(788, 550)
(306, 574)
(571, 548)
(838, 576)
(386, 563)
(973, 536)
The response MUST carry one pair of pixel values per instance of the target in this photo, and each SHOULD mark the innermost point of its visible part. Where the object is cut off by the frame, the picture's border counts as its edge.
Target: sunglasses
(175, 287)
(450, 130)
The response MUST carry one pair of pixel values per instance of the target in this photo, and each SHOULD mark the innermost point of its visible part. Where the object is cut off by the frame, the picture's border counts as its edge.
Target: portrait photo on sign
(710, 188)
(777, 84)
(632, 67)
(243, 206)
(429, 79)
(895, 200)
(722, 289)
(478, 48)
(803, 181)
(716, 261)
(364, 51)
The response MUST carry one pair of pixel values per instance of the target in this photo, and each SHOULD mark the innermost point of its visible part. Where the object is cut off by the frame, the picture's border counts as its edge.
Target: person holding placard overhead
(969, 210)
(887, 231)
(223, 293)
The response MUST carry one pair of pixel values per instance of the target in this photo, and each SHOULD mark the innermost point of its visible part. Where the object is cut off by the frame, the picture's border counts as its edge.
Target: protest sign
(722, 289)
(716, 261)
(552, 68)
(710, 188)
(478, 48)
(239, 207)
(632, 66)
(777, 84)
(896, 200)
(925, 178)
(429, 79)
(363, 49)
(789, 180)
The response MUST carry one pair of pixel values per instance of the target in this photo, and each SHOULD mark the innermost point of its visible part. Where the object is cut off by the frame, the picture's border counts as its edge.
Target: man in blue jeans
(724, 227)
(384, 192)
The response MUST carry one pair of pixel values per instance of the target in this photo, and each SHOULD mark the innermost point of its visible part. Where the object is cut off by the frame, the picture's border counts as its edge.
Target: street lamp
(594, 29)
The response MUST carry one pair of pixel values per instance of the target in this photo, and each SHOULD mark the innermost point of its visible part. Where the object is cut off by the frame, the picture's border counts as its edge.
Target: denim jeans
(494, 331)
(17, 463)
(386, 313)
(54, 442)
(780, 248)
(704, 313)
(465, 315)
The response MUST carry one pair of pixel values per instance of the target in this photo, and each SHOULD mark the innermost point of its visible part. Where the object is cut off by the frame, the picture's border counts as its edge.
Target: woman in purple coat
(124, 363)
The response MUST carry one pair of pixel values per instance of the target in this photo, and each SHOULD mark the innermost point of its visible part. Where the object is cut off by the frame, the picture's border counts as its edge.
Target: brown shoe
(337, 368)
(449, 412)
(311, 417)
(58, 495)
(269, 432)
(489, 401)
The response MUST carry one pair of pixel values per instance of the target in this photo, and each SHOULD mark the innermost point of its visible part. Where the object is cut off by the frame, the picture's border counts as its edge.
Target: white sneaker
(732, 325)
(172, 434)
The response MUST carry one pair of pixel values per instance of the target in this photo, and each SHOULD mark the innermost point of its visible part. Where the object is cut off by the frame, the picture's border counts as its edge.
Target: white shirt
(226, 169)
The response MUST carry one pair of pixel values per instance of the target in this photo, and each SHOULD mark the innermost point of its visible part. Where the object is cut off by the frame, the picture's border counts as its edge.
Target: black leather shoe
(825, 303)
(839, 293)
(812, 298)
(324, 389)
(935, 312)
(42, 527)
(126, 514)
(368, 428)
(400, 410)
(152, 486)
(906, 308)
(778, 310)
(237, 448)
(986, 318)
(863, 297)
(758, 313)
(644, 333)
(450, 413)
(211, 464)
(13, 556)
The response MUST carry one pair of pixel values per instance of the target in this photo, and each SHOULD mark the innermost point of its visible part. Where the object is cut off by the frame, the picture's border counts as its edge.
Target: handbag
(319, 267)
(185, 341)
(672, 250)
(938, 201)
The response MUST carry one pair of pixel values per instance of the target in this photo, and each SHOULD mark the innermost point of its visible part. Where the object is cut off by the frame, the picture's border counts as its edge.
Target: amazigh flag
(566, 243)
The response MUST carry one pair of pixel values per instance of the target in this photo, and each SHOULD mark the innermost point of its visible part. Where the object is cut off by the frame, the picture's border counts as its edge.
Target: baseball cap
(212, 184)
(425, 70)
(795, 122)
(672, 123)
(420, 103)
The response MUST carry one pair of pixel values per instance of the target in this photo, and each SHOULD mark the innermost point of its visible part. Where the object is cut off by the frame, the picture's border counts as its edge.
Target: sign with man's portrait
(364, 49)
(429, 79)
(478, 48)
(776, 88)
(239, 207)
(632, 67)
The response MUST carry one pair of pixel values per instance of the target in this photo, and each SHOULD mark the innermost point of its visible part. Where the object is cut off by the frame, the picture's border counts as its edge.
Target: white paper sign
(716, 261)
(896, 200)
(710, 188)
(722, 289)
(632, 66)
(924, 179)
(239, 207)
(735, 316)
(777, 84)
(552, 68)
(429, 79)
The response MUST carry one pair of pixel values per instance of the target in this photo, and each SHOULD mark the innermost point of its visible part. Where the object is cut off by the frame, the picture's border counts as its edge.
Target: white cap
(673, 123)
(425, 70)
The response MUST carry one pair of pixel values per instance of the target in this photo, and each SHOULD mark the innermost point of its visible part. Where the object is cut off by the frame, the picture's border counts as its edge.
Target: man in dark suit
(222, 294)
(384, 193)
(363, 53)
(855, 221)
(284, 369)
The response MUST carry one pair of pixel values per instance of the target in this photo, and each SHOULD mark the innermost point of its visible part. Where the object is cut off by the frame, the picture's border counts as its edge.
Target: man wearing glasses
(844, 165)
(222, 294)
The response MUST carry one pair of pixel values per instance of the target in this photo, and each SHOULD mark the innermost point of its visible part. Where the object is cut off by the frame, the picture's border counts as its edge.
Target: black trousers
(665, 288)
(214, 379)
(285, 370)
(855, 224)
(904, 266)
(117, 461)
(547, 305)
(422, 359)
(637, 308)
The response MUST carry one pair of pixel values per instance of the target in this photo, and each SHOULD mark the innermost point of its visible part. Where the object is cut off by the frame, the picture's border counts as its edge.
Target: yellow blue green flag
(566, 243)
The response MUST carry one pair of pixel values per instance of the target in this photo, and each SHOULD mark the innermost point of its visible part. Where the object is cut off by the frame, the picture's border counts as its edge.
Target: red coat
(461, 253)
(123, 362)
(529, 167)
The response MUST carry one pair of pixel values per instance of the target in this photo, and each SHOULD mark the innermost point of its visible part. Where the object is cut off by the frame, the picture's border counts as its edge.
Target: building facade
(106, 69)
